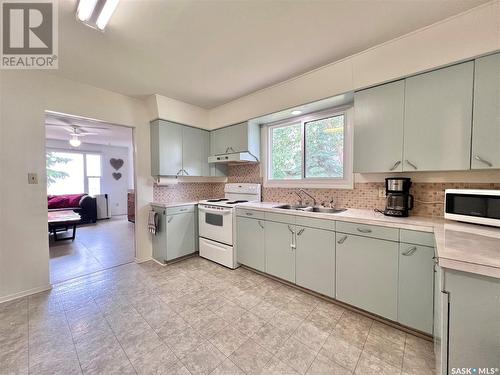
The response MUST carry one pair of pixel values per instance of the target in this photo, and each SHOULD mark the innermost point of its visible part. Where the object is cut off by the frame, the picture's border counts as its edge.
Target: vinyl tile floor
(106, 244)
(196, 317)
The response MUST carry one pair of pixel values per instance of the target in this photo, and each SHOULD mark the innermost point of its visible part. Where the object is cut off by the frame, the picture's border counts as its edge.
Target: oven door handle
(211, 210)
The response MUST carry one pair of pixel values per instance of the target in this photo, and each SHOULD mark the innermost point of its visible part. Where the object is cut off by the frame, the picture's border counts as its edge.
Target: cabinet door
(367, 274)
(232, 138)
(474, 320)
(250, 243)
(195, 150)
(416, 279)
(315, 260)
(378, 128)
(159, 240)
(438, 115)
(180, 235)
(169, 148)
(486, 128)
(280, 250)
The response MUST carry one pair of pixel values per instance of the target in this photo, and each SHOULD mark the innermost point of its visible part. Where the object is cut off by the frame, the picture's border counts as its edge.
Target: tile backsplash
(429, 197)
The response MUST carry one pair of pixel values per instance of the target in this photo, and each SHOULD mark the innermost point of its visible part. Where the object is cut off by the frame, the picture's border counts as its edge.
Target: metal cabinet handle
(364, 230)
(186, 172)
(342, 240)
(183, 209)
(260, 224)
(231, 149)
(293, 245)
(410, 251)
(301, 231)
(479, 158)
(178, 173)
(396, 164)
(411, 164)
(248, 213)
(170, 219)
(290, 229)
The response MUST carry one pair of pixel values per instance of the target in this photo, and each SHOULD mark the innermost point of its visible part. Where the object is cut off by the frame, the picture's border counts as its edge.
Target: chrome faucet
(298, 195)
(309, 195)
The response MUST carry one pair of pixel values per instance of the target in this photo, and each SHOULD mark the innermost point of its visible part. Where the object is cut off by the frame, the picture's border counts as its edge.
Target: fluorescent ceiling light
(106, 13)
(296, 112)
(74, 141)
(85, 9)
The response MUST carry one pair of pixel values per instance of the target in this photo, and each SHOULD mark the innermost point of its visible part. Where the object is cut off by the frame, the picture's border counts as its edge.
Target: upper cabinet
(486, 125)
(179, 150)
(438, 117)
(244, 137)
(378, 131)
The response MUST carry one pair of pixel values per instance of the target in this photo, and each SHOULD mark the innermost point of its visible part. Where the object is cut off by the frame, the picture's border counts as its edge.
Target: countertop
(459, 246)
(172, 204)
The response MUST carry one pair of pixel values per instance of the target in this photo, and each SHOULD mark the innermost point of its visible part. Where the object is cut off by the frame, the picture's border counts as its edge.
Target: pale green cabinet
(438, 119)
(367, 274)
(473, 320)
(280, 247)
(250, 246)
(195, 150)
(486, 126)
(315, 260)
(243, 137)
(378, 128)
(416, 276)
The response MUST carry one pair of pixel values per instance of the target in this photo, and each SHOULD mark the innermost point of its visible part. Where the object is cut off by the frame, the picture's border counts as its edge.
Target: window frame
(346, 182)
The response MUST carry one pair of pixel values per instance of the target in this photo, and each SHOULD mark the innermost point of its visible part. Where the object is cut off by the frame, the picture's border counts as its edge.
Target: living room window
(311, 151)
(73, 172)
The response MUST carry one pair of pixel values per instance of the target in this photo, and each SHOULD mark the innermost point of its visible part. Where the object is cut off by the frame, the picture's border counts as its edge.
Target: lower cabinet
(416, 275)
(250, 246)
(175, 236)
(315, 260)
(280, 245)
(367, 274)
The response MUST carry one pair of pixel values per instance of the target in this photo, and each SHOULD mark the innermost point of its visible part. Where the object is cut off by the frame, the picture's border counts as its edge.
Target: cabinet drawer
(375, 231)
(315, 223)
(250, 213)
(417, 237)
(280, 218)
(179, 210)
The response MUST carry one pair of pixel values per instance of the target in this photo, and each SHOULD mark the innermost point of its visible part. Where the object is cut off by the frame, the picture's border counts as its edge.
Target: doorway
(90, 195)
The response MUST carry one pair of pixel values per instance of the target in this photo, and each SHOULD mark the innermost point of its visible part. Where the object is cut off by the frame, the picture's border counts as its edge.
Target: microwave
(473, 206)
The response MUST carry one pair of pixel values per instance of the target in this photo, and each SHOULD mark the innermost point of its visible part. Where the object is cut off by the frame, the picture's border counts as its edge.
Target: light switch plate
(32, 178)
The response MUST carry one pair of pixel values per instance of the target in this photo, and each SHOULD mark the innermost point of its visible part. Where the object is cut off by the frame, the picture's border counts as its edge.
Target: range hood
(233, 158)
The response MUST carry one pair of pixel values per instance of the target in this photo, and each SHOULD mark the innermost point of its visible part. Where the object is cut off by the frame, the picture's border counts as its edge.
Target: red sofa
(82, 204)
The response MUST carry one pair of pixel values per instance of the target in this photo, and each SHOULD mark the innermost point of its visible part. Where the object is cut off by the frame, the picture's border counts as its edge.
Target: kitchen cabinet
(179, 150)
(438, 118)
(315, 260)
(367, 274)
(243, 137)
(176, 233)
(378, 128)
(473, 320)
(279, 242)
(486, 123)
(250, 246)
(415, 292)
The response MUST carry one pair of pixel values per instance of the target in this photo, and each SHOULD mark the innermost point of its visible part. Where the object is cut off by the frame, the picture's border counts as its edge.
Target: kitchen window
(311, 151)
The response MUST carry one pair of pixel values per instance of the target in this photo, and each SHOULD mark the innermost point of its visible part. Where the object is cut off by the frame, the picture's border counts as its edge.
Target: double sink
(319, 209)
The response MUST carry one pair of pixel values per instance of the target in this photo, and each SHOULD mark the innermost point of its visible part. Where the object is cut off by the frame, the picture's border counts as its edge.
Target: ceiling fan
(77, 131)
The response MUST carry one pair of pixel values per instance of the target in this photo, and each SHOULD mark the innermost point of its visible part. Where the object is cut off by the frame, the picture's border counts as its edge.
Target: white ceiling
(209, 52)
(113, 135)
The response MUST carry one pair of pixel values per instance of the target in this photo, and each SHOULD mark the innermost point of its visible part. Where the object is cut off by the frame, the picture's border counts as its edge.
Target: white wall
(177, 111)
(462, 37)
(116, 189)
(24, 96)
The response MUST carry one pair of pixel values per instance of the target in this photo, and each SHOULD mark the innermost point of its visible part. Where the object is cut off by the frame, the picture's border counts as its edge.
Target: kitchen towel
(153, 222)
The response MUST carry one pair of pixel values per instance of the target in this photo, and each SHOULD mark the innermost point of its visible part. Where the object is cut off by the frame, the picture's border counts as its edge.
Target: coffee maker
(399, 201)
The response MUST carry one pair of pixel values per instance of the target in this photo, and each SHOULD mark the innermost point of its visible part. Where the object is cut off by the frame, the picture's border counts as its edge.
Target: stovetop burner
(235, 202)
(217, 200)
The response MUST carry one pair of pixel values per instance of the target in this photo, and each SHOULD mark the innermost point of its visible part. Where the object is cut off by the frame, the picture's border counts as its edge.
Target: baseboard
(25, 293)
(137, 260)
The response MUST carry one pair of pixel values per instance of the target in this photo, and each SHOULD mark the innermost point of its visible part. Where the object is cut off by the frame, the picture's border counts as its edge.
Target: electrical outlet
(32, 178)
(381, 193)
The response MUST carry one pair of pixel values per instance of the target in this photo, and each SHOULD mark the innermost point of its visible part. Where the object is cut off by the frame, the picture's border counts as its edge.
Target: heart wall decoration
(117, 175)
(116, 163)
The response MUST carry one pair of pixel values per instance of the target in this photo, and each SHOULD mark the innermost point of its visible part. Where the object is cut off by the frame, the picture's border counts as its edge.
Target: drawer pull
(183, 209)
(410, 251)
(248, 213)
(301, 231)
(260, 224)
(342, 240)
(364, 230)
(170, 219)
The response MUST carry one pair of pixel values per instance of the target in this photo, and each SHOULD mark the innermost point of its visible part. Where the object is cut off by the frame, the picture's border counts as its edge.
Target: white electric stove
(216, 220)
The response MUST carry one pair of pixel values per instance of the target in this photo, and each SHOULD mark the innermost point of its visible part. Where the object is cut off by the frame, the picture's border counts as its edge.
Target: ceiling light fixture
(96, 13)
(74, 141)
(296, 112)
